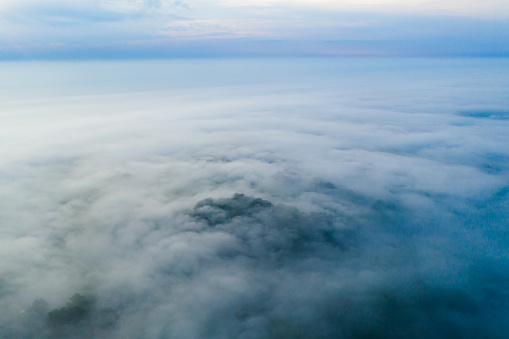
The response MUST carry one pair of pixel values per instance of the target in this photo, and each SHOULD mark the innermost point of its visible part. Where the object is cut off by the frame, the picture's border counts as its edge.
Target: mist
(255, 198)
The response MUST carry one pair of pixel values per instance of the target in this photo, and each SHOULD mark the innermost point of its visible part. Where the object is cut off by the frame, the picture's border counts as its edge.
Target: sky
(255, 198)
(100, 29)
(254, 169)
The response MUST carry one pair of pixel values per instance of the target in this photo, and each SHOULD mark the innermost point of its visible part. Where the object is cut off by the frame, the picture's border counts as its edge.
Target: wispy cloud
(214, 28)
(392, 27)
(472, 8)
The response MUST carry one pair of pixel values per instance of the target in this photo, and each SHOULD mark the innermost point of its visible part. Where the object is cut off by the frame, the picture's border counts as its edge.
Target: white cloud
(494, 8)
(378, 173)
(214, 28)
(62, 28)
(474, 8)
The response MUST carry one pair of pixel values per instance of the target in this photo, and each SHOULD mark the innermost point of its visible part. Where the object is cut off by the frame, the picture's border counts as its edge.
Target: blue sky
(181, 28)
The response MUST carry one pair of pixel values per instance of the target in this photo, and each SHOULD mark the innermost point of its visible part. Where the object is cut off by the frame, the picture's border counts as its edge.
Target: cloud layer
(254, 198)
(97, 29)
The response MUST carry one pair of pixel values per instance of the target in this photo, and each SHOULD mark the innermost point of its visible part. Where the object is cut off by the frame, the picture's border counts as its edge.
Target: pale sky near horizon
(166, 28)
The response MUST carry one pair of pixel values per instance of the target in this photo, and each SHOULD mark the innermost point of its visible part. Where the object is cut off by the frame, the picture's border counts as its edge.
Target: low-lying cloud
(328, 202)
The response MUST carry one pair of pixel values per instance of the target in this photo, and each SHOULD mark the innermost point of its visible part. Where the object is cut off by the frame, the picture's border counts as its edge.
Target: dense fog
(244, 198)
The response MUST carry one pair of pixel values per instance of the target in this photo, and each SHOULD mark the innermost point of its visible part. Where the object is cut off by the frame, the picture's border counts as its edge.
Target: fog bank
(253, 198)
